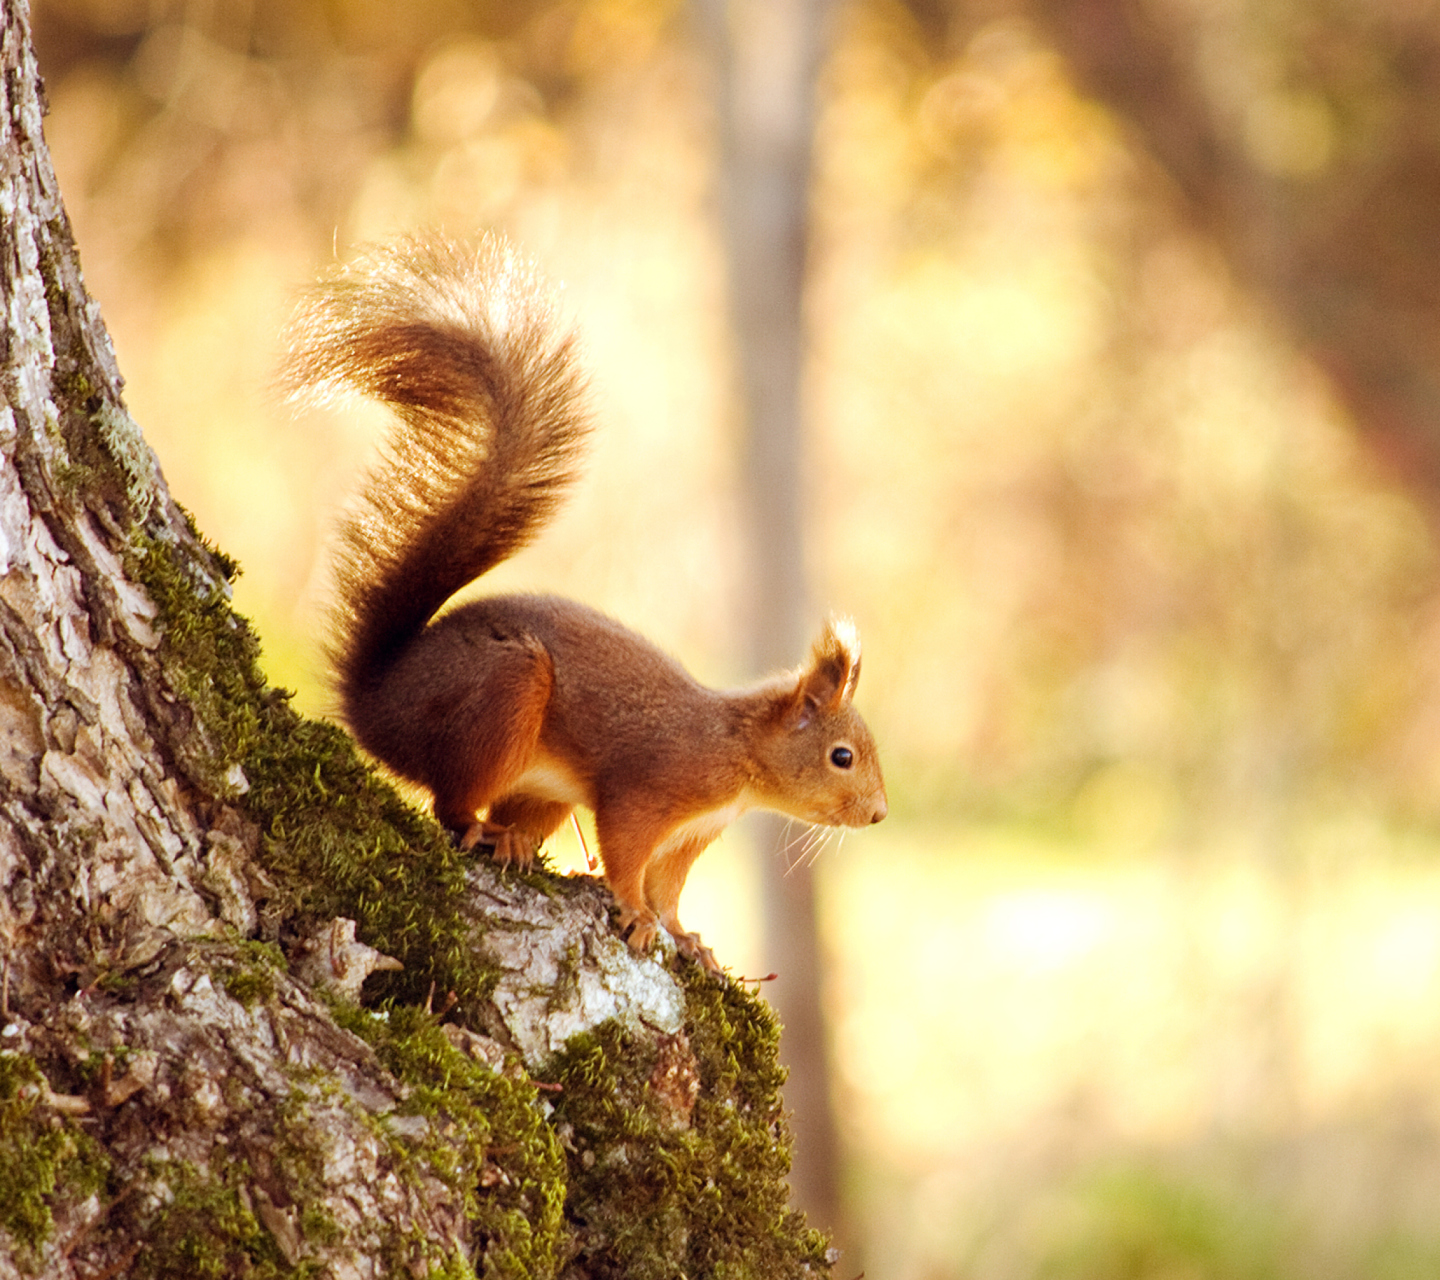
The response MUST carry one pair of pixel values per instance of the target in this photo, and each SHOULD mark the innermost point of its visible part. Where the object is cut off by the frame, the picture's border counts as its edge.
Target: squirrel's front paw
(510, 846)
(690, 946)
(639, 927)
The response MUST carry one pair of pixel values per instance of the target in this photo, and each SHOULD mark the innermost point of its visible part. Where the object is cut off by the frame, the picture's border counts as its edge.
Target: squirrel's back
(463, 344)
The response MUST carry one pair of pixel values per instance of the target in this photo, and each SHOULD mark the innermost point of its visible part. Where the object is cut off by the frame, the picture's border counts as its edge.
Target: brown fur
(520, 707)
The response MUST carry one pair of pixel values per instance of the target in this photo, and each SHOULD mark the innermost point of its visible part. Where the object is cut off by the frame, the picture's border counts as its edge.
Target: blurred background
(1121, 386)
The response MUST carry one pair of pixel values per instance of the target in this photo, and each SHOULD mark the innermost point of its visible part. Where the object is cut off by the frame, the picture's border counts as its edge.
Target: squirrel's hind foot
(509, 846)
(640, 928)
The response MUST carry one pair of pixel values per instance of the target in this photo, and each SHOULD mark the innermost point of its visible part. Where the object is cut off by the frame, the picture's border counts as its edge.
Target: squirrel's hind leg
(628, 835)
(647, 883)
(665, 876)
(493, 735)
(517, 826)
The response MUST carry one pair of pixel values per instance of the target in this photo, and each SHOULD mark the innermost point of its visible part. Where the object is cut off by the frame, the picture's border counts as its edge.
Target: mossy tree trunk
(195, 884)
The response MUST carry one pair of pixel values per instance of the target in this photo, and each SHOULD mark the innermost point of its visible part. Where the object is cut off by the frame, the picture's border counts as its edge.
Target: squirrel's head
(819, 761)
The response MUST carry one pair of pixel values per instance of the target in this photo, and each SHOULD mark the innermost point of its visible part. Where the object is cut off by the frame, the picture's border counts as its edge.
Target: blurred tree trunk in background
(1318, 176)
(766, 53)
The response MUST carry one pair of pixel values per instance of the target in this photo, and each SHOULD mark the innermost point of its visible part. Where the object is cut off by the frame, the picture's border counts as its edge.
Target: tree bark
(102, 754)
(195, 885)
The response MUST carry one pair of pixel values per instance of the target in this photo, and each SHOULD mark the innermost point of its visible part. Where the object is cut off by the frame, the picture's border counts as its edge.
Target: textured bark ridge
(84, 759)
(257, 1016)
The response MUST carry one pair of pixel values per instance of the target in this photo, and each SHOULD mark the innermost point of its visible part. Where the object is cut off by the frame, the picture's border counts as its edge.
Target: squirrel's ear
(828, 682)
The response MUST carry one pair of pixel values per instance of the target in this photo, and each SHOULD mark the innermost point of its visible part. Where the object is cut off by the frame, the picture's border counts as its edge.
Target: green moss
(340, 842)
(211, 661)
(713, 1188)
(249, 986)
(42, 1154)
(487, 1143)
(564, 992)
(206, 1227)
(202, 1221)
(318, 1226)
(336, 839)
(248, 970)
(105, 455)
(301, 1160)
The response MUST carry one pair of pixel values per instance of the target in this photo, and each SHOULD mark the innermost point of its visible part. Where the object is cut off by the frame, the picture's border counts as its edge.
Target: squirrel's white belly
(704, 827)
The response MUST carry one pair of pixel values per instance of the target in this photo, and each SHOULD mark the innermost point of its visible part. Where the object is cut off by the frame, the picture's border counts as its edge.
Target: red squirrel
(513, 709)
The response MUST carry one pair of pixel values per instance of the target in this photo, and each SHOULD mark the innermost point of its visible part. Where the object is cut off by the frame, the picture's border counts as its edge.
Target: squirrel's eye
(842, 757)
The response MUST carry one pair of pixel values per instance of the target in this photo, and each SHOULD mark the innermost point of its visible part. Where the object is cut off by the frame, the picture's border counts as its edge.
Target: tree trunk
(767, 54)
(195, 884)
(1334, 226)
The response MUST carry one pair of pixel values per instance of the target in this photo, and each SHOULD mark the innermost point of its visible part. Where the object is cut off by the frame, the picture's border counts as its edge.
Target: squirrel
(513, 709)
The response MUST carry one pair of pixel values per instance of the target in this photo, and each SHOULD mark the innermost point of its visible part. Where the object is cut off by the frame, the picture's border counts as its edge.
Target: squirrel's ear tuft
(827, 683)
(839, 649)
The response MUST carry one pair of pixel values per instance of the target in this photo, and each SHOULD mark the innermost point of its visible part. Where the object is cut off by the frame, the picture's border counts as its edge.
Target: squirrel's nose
(881, 809)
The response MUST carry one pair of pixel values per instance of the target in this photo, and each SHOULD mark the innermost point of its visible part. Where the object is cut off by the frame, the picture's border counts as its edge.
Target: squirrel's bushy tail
(463, 344)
